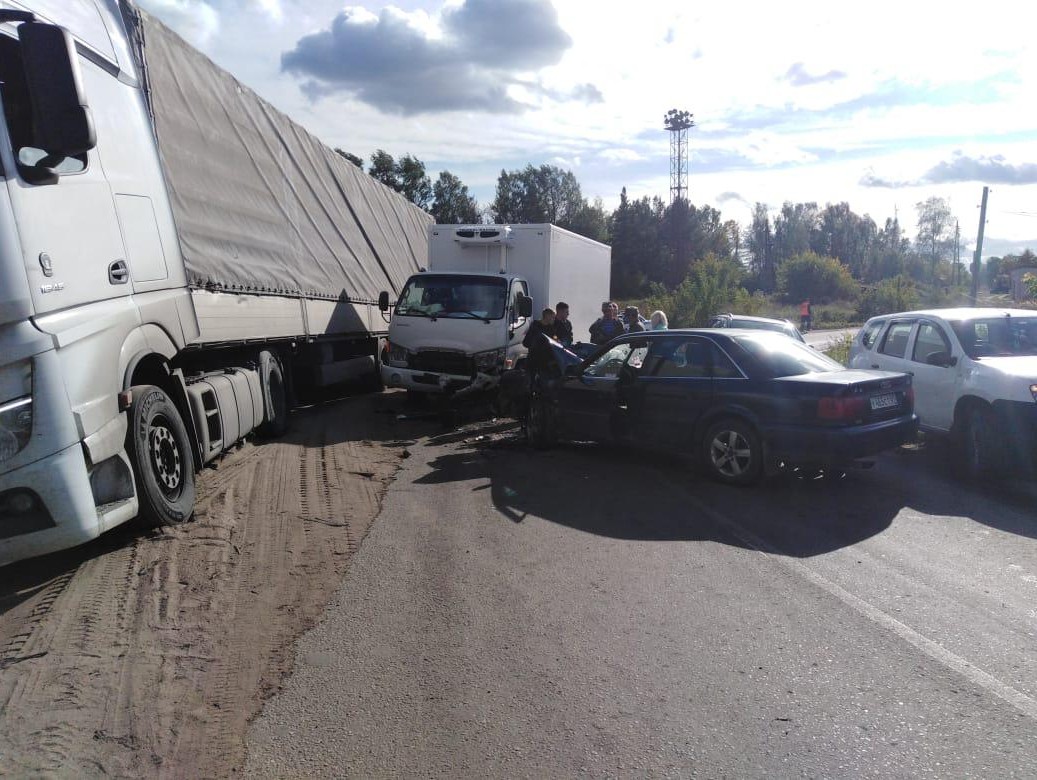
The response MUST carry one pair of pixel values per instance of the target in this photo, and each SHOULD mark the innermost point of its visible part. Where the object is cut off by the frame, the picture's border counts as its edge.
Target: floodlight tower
(678, 123)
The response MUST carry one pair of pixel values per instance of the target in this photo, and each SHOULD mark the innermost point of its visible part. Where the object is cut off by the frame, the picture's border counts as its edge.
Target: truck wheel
(275, 396)
(981, 443)
(163, 467)
(732, 453)
(542, 423)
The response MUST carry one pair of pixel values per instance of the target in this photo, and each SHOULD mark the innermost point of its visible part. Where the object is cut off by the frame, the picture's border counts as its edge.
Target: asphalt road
(821, 338)
(584, 611)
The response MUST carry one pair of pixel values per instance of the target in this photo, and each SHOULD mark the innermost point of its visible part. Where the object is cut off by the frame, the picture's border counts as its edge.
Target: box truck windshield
(454, 295)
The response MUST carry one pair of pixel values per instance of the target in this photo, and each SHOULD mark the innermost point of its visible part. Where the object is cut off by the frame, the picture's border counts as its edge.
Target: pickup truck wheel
(732, 453)
(981, 443)
(163, 467)
(275, 396)
(542, 423)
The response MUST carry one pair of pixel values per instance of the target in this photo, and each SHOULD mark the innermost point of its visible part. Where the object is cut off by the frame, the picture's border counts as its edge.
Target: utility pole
(979, 246)
(957, 253)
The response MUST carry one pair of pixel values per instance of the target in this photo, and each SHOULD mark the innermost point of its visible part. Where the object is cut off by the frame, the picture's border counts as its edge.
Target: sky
(879, 104)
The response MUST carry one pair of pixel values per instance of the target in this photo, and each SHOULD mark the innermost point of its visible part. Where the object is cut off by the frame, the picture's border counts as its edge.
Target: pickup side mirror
(383, 301)
(942, 359)
(64, 126)
(525, 306)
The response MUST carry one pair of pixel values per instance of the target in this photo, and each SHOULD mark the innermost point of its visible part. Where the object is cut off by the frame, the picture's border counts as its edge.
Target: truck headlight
(15, 408)
(489, 360)
(397, 355)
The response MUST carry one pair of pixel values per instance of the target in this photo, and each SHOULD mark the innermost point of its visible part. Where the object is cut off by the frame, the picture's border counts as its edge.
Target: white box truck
(174, 254)
(457, 325)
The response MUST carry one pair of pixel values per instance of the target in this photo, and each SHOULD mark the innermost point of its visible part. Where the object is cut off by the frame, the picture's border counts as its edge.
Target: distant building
(1020, 292)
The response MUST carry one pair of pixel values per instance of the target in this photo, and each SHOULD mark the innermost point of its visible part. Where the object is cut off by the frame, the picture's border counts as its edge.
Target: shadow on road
(600, 490)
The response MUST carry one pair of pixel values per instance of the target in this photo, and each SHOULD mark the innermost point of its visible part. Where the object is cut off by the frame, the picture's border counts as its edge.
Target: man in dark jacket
(633, 320)
(563, 328)
(608, 326)
(540, 357)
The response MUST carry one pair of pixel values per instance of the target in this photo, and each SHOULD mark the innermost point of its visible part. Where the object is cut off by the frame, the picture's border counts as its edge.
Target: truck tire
(160, 451)
(732, 453)
(275, 396)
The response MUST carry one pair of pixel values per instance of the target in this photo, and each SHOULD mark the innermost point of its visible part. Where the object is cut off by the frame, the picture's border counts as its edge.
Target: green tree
(794, 229)
(357, 161)
(591, 221)
(934, 225)
(414, 183)
(636, 246)
(532, 195)
(383, 168)
(888, 253)
(821, 279)
(887, 297)
(846, 236)
(760, 239)
(1030, 281)
(713, 285)
(451, 203)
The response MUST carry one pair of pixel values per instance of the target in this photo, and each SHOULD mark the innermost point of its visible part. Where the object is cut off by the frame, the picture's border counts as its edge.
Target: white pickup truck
(975, 378)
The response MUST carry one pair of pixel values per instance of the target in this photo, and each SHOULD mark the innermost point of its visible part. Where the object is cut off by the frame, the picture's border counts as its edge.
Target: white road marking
(1025, 704)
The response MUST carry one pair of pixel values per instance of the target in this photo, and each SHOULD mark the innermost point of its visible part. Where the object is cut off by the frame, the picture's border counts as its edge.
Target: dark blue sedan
(743, 402)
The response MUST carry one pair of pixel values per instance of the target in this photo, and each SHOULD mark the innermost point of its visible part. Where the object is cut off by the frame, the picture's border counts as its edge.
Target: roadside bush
(888, 296)
(810, 275)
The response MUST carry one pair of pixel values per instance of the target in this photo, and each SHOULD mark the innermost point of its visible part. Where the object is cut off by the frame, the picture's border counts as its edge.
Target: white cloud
(195, 20)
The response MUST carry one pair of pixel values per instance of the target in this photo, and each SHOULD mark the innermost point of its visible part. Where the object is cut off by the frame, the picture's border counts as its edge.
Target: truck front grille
(442, 362)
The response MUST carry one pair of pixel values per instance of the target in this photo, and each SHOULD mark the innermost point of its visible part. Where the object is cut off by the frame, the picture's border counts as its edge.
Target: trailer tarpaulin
(260, 204)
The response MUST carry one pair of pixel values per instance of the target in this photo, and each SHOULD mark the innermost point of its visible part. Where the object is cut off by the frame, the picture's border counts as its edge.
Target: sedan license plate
(884, 401)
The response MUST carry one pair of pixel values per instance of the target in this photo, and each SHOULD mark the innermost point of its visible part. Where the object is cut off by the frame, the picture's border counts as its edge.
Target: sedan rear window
(780, 356)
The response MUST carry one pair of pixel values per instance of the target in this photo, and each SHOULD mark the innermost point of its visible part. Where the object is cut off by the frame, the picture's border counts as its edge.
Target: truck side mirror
(63, 123)
(525, 306)
(383, 301)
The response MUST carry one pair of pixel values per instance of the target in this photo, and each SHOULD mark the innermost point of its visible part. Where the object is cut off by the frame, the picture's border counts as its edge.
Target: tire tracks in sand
(146, 654)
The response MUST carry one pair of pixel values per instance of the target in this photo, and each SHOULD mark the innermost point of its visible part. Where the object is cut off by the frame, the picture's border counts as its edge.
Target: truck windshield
(449, 295)
(998, 337)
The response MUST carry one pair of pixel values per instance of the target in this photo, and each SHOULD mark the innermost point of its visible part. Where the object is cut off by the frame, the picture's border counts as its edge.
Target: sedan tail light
(844, 409)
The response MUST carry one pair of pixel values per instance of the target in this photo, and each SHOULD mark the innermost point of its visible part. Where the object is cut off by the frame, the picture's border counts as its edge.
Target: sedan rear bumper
(829, 446)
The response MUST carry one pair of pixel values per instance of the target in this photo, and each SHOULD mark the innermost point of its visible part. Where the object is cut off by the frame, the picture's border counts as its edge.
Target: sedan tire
(542, 422)
(732, 452)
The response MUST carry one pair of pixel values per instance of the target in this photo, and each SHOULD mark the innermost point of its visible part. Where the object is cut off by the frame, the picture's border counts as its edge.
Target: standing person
(632, 318)
(805, 315)
(608, 326)
(540, 358)
(563, 328)
(658, 321)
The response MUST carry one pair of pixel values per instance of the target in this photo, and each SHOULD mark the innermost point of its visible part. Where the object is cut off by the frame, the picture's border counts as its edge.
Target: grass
(839, 349)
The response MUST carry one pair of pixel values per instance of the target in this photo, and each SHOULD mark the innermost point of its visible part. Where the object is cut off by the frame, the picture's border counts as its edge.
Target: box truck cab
(459, 324)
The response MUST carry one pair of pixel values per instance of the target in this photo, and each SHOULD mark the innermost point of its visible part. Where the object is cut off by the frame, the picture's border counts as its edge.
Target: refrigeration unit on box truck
(457, 325)
(175, 254)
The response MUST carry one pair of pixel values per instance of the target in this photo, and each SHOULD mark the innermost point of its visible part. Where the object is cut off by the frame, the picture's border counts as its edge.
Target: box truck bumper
(430, 382)
(47, 506)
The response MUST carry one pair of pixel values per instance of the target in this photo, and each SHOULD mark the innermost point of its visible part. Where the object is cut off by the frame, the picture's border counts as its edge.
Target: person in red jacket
(806, 315)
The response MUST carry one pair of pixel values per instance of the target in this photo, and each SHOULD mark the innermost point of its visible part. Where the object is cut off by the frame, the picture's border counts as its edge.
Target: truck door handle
(874, 365)
(118, 273)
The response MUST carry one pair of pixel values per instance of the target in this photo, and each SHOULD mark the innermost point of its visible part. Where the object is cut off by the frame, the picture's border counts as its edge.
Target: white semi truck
(458, 324)
(175, 254)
